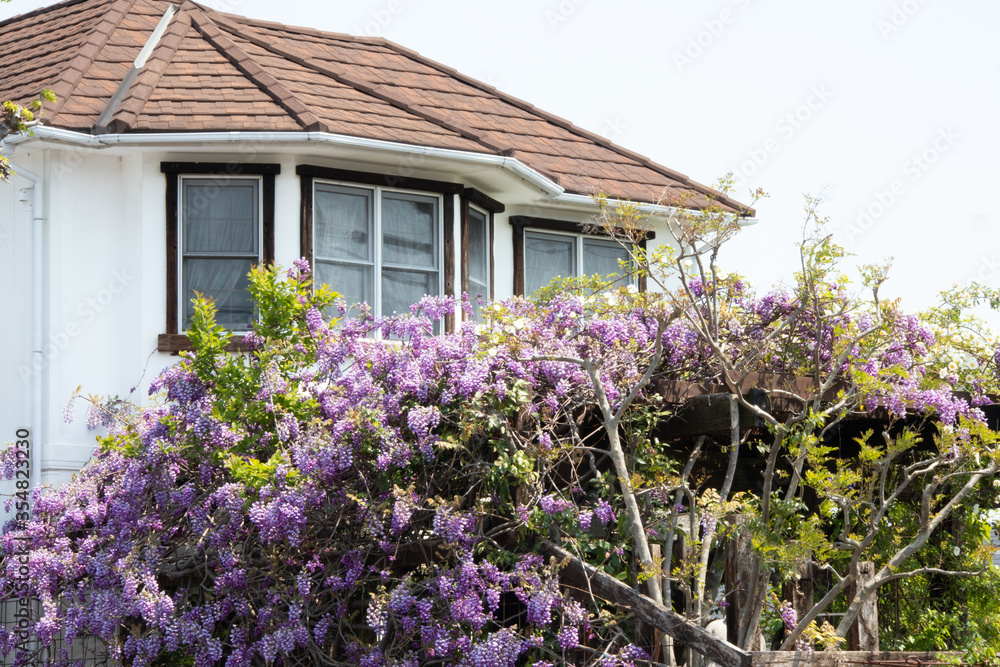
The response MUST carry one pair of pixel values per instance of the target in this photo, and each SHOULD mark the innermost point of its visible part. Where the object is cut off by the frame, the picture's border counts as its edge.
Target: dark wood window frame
(173, 340)
(309, 173)
(522, 222)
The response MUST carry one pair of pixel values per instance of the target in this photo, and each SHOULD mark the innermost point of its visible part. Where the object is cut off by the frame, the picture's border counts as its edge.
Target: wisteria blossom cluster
(364, 492)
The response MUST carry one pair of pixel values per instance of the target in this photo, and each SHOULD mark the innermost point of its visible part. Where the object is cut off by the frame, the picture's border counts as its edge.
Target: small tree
(857, 355)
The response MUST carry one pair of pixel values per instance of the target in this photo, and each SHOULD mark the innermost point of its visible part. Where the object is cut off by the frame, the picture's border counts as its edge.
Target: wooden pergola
(706, 409)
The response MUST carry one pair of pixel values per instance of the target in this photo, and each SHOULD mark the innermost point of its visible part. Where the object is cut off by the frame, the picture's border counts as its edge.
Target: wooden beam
(740, 587)
(584, 576)
(678, 391)
(181, 343)
(800, 591)
(840, 658)
(863, 635)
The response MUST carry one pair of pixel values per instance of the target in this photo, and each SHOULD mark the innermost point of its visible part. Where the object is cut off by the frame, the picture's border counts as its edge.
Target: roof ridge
(149, 77)
(644, 161)
(71, 76)
(305, 30)
(204, 24)
(372, 90)
(36, 12)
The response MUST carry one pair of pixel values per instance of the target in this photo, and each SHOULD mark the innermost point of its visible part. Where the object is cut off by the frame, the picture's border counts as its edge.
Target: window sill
(181, 343)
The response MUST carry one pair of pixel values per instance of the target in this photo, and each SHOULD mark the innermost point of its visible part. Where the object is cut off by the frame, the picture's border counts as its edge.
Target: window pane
(226, 282)
(401, 289)
(353, 281)
(478, 292)
(343, 223)
(220, 217)
(547, 256)
(409, 231)
(479, 241)
(602, 257)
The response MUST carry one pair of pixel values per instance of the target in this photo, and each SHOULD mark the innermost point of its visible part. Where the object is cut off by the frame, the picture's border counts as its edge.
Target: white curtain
(479, 260)
(344, 221)
(602, 257)
(220, 243)
(547, 256)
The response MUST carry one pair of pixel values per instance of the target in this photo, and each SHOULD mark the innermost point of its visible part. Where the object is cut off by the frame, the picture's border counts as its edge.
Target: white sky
(904, 97)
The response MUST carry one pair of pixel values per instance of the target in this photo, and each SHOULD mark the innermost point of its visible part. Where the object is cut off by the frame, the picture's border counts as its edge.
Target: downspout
(33, 214)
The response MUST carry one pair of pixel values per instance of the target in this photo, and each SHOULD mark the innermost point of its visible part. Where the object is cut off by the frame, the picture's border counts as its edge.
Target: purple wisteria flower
(377, 472)
(604, 512)
(550, 504)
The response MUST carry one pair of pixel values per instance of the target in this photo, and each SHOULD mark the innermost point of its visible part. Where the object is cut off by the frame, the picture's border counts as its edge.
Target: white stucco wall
(94, 291)
(105, 264)
(15, 310)
(12, 328)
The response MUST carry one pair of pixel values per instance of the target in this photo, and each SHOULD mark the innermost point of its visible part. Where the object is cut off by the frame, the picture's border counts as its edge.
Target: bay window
(390, 240)
(376, 245)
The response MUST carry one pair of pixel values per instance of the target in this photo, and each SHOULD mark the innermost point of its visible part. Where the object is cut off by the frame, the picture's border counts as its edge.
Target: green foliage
(967, 345)
(17, 119)
(963, 616)
(256, 474)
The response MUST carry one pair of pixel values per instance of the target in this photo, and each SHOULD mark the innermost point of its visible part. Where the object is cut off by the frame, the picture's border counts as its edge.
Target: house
(187, 145)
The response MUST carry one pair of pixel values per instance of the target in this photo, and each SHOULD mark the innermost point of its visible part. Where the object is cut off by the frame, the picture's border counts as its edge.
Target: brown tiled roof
(215, 71)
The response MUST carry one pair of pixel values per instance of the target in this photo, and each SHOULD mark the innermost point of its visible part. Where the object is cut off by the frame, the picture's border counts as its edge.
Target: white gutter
(650, 209)
(201, 139)
(36, 220)
(552, 189)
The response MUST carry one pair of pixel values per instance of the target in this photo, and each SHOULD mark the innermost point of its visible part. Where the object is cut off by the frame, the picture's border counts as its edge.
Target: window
(220, 223)
(549, 255)
(378, 246)
(477, 286)
(545, 249)
(220, 243)
(388, 240)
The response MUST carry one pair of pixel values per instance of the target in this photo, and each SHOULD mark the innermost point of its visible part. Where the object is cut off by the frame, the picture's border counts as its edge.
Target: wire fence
(82, 651)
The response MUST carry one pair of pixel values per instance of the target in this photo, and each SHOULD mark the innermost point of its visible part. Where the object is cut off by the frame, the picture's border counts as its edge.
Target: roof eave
(552, 190)
(48, 134)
